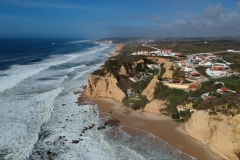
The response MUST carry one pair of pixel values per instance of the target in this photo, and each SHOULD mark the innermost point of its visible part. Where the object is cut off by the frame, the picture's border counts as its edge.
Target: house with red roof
(165, 52)
(179, 55)
(200, 57)
(181, 108)
(211, 56)
(181, 64)
(193, 86)
(216, 71)
(222, 90)
(195, 75)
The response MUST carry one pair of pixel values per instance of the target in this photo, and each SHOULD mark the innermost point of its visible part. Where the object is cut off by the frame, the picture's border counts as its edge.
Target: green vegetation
(228, 59)
(232, 58)
(163, 70)
(232, 83)
(228, 104)
(205, 87)
(185, 81)
(137, 102)
(190, 46)
(173, 96)
(139, 86)
(179, 120)
(178, 73)
(202, 71)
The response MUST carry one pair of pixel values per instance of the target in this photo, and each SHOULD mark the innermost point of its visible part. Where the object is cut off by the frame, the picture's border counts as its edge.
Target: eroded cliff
(155, 106)
(149, 90)
(104, 86)
(219, 132)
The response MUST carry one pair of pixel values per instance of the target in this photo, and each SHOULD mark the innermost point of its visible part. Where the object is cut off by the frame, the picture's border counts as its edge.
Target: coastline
(157, 125)
(160, 126)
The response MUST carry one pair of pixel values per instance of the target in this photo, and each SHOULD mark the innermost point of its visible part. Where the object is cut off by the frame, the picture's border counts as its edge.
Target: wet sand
(160, 126)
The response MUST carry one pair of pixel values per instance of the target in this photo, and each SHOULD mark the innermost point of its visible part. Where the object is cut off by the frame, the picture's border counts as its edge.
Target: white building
(152, 66)
(205, 63)
(181, 108)
(216, 71)
(181, 64)
(187, 69)
(230, 50)
(134, 79)
(200, 58)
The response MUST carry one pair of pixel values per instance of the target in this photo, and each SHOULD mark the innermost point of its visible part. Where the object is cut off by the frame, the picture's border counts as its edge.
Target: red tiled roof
(201, 57)
(194, 85)
(217, 68)
(195, 74)
(224, 89)
(180, 55)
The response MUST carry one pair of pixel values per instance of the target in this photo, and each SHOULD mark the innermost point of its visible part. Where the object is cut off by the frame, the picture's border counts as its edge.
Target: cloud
(214, 11)
(213, 21)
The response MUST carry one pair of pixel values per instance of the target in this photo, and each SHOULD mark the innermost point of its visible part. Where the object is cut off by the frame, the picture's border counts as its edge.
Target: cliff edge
(219, 132)
(104, 86)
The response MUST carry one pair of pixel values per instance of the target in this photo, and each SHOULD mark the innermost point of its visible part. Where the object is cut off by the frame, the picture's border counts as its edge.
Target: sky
(119, 18)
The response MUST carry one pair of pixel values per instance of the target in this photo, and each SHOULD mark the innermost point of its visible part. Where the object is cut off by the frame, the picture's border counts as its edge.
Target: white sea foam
(38, 106)
(81, 41)
(28, 93)
(18, 73)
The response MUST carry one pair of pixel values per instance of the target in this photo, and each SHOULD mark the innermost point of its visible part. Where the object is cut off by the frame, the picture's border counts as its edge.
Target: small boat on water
(53, 43)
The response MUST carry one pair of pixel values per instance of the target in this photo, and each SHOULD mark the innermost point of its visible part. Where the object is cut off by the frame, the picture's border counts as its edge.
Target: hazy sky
(119, 18)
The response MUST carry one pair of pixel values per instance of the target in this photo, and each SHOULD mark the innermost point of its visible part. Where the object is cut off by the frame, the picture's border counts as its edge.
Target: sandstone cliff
(149, 90)
(219, 132)
(155, 106)
(104, 86)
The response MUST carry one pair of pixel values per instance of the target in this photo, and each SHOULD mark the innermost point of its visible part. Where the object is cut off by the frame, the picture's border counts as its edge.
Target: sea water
(38, 112)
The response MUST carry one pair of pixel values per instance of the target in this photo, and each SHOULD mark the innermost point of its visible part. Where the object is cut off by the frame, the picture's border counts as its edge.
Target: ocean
(38, 112)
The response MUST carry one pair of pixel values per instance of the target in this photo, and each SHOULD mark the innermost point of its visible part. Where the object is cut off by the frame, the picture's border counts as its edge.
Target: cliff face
(154, 106)
(219, 132)
(149, 90)
(104, 86)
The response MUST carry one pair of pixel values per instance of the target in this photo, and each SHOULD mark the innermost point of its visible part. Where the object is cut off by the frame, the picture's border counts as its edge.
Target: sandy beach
(117, 50)
(160, 126)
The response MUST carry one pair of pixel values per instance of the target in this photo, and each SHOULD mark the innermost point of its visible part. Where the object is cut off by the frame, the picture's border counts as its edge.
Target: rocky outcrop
(104, 86)
(155, 106)
(149, 90)
(219, 132)
(123, 71)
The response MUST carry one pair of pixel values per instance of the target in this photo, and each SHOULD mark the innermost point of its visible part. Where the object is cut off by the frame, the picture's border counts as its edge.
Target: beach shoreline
(160, 126)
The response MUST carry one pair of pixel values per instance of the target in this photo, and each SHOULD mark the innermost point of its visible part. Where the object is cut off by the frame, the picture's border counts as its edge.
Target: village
(213, 64)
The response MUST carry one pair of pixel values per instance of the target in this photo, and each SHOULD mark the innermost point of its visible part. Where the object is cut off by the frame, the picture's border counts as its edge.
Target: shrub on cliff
(135, 103)
(173, 96)
(139, 86)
